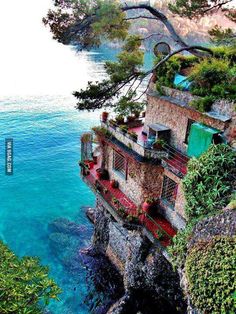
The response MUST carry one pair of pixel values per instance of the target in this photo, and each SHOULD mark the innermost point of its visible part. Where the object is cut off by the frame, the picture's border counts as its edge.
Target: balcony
(170, 158)
(125, 211)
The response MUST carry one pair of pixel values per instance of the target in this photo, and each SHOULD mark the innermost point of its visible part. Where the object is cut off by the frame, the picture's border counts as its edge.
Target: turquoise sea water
(46, 185)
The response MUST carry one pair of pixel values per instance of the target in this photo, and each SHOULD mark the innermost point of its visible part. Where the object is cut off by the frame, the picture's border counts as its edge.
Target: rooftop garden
(209, 78)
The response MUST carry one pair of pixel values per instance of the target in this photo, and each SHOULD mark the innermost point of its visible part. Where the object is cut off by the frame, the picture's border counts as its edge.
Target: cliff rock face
(150, 284)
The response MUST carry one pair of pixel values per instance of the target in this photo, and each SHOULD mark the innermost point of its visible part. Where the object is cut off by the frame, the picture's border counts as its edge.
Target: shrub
(24, 284)
(203, 104)
(208, 183)
(207, 188)
(166, 72)
(178, 249)
(210, 270)
(101, 131)
(214, 77)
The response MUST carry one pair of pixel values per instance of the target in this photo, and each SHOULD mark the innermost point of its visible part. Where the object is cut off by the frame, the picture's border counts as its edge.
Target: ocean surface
(46, 186)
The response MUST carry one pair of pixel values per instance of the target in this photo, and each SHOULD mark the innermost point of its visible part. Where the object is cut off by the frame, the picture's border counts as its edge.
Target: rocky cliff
(150, 284)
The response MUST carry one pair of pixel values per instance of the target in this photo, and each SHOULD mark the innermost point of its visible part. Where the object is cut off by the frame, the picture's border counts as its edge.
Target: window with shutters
(169, 191)
(119, 163)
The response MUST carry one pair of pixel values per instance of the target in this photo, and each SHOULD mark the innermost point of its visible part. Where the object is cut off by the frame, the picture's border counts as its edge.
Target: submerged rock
(64, 225)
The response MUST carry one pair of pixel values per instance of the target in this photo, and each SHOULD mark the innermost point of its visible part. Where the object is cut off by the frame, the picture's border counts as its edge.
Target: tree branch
(174, 53)
(160, 17)
(140, 17)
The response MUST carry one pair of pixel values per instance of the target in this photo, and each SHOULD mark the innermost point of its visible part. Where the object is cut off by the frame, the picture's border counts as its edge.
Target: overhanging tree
(88, 23)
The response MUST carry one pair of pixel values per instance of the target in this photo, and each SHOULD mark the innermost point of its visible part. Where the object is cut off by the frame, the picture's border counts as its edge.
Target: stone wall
(143, 180)
(175, 115)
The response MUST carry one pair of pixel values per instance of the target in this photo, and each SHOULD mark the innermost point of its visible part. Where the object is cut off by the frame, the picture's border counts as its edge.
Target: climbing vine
(210, 269)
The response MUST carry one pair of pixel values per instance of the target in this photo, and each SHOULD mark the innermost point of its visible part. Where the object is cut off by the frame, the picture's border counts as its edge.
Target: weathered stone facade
(175, 115)
(142, 179)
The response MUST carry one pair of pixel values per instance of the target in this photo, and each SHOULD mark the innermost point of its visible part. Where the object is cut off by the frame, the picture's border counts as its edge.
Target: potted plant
(132, 219)
(136, 114)
(120, 119)
(159, 234)
(112, 123)
(95, 159)
(102, 174)
(114, 184)
(148, 204)
(159, 144)
(123, 129)
(115, 201)
(133, 136)
(130, 118)
(122, 212)
(105, 116)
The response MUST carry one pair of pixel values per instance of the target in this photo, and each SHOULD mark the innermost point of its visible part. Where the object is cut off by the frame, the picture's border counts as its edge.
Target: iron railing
(123, 211)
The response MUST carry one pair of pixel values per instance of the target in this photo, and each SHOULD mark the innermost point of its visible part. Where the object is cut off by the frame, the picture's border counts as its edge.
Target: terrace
(125, 210)
(136, 139)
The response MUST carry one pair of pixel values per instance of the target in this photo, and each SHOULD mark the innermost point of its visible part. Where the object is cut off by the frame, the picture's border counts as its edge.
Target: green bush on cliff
(207, 189)
(24, 284)
(208, 183)
(210, 271)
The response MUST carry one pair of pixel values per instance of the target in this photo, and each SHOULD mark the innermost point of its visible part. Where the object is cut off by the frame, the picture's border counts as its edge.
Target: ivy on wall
(210, 270)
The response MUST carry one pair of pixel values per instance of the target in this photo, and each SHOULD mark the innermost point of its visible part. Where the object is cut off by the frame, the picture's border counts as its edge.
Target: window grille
(119, 163)
(169, 191)
(190, 122)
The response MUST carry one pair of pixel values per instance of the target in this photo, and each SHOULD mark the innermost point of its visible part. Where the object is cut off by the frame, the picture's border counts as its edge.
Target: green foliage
(210, 270)
(221, 36)
(130, 60)
(110, 21)
(197, 8)
(126, 106)
(208, 188)
(208, 183)
(178, 249)
(101, 131)
(87, 22)
(203, 104)
(166, 72)
(213, 77)
(121, 72)
(24, 284)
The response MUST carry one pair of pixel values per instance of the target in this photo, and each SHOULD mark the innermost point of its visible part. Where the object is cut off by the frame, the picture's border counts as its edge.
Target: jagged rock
(223, 224)
(150, 283)
(101, 233)
(91, 213)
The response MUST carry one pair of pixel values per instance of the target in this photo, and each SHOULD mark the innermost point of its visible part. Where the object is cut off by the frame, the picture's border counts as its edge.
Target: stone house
(143, 171)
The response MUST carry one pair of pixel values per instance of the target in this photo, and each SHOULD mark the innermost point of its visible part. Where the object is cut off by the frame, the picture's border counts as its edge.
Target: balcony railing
(126, 211)
(175, 161)
(170, 157)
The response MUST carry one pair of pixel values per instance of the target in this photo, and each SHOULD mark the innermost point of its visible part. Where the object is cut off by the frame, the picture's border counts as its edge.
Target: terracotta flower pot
(114, 184)
(95, 160)
(146, 207)
(104, 116)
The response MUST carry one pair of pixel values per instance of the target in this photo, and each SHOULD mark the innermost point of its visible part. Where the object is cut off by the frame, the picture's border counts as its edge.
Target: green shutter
(200, 139)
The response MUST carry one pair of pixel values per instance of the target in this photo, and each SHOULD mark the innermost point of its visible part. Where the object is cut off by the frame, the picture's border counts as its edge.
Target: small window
(119, 163)
(169, 191)
(190, 122)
